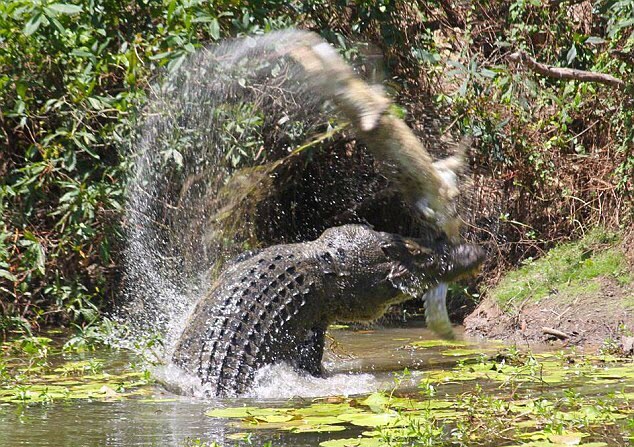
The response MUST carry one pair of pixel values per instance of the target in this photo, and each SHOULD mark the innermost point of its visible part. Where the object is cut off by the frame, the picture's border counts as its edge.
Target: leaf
(175, 63)
(7, 275)
(371, 419)
(488, 73)
(236, 412)
(33, 24)
(438, 343)
(275, 418)
(572, 54)
(214, 29)
(95, 103)
(461, 352)
(160, 56)
(594, 40)
(353, 442)
(569, 438)
(320, 420)
(326, 409)
(65, 8)
(376, 401)
(56, 23)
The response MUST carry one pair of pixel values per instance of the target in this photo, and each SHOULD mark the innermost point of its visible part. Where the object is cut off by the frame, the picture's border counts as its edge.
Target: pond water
(452, 394)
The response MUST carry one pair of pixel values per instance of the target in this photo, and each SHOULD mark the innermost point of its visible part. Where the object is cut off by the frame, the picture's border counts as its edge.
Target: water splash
(202, 160)
(280, 381)
(227, 109)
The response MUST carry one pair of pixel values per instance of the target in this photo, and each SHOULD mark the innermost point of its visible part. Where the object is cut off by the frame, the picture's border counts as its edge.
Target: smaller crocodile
(275, 305)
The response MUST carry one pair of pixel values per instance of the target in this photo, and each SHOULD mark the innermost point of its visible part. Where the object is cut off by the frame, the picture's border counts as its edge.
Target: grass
(566, 270)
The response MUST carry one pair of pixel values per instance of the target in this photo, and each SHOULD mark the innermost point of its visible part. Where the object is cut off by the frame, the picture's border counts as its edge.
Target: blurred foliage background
(551, 158)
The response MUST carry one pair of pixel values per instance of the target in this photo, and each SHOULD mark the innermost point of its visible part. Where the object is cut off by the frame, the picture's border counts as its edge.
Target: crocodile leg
(311, 351)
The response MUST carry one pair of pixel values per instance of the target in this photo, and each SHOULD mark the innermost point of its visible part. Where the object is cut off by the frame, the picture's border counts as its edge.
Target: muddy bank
(580, 294)
(595, 319)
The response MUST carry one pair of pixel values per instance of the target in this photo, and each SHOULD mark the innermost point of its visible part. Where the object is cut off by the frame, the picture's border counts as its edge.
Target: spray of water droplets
(228, 108)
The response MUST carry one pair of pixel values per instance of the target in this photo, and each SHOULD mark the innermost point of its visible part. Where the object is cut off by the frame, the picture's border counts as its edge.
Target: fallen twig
(565, 73)
(556, 333)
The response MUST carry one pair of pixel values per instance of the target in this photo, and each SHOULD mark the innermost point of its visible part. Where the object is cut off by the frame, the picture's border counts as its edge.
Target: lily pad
(372, 419)
(326, 409)
(460, 352)
(438, 344)
(548, 443)
(321, 420)
(316, 428)
(274, 418)
(231, 412)
(353, 442)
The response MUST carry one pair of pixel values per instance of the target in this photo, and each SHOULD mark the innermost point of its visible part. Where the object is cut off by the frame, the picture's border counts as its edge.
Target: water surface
(360, 363)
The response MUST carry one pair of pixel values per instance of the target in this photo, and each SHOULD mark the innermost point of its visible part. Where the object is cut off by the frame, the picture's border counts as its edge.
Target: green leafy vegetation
(41, 370)
(566, 270)
(508, 397)
(72, 76)
(551, 157)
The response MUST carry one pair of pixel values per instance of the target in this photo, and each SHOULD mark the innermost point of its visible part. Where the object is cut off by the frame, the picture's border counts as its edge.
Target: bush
(551, 157)
(73, 75)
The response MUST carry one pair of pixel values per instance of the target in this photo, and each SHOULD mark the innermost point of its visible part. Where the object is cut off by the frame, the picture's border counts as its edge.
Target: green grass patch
(567, 269)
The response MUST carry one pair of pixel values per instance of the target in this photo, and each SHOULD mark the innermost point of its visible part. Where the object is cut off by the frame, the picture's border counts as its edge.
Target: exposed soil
(602, 314)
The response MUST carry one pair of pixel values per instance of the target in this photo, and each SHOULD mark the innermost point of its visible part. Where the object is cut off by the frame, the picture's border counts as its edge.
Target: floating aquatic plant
(33, 369)
(510, 396)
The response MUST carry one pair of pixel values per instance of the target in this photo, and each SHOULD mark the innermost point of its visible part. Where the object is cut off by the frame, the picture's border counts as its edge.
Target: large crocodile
(275, 305)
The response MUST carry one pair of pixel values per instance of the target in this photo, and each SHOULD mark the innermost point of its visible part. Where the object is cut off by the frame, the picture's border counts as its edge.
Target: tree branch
(556, 333)
(564, 73)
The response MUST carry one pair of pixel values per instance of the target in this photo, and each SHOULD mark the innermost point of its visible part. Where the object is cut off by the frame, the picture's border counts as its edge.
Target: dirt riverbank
(580, 294)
